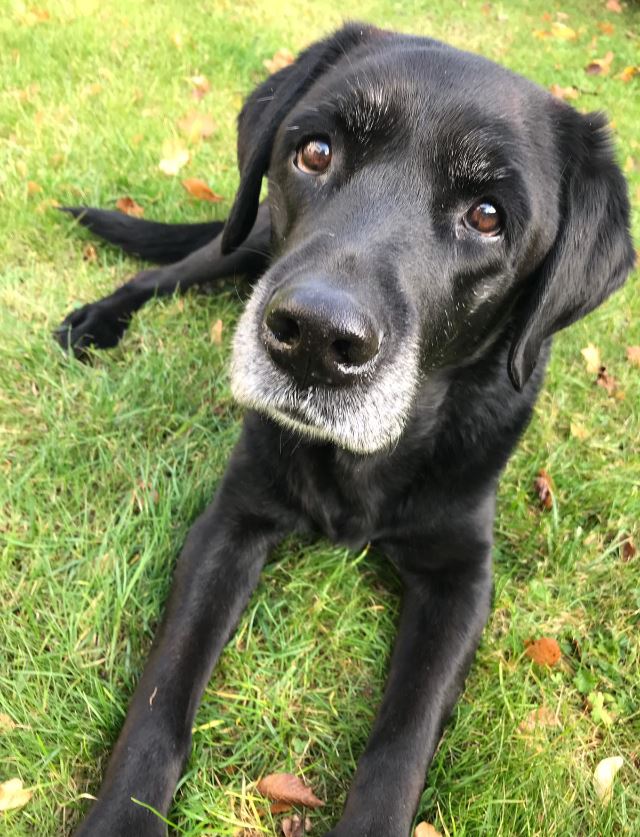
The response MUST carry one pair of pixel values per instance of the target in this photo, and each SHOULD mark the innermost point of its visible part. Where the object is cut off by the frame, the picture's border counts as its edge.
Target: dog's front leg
(216, 572)
(444, 612)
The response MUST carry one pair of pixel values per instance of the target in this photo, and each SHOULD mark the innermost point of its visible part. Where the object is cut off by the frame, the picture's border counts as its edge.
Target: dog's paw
(91, 325)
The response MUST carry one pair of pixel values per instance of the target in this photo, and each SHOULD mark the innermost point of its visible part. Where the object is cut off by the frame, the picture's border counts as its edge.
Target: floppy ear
(262, 114)
(592, 253)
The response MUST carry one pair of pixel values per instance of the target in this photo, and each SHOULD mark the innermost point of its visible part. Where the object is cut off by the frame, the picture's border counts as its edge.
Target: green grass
(104, 467)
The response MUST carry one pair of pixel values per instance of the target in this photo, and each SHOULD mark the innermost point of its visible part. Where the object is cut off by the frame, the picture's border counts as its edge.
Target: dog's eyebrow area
(476, 156)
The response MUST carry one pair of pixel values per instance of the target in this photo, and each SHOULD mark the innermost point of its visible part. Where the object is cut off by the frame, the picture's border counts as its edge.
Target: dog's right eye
(484, 218)
(313, 156)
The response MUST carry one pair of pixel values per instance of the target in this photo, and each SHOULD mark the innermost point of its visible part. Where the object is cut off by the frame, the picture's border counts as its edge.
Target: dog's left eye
(485, 218)
(313, 156)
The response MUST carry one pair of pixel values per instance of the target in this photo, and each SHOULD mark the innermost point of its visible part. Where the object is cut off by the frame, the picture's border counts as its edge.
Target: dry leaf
(628, 550)
(279, 807)
(200, 190)
(486, 8)
(177, 40)
(540, 717)
(628, 73)
(6, 723)
(606, 381)
(174, 157)
(89, 253)
(544, 651)
(543, 486)
(200, 86)
(33, 188)
(215, 335)
(541, 34)
(629, 164)
(591, 354)
(606, 28)
(578, 431)
(129, 207)
(564, 92)
(599, 66)
(633, 355)
(614, 6)
(13, 795)
(563, 32)
(285, 787)
(425, 829)
(604, 775)
(281, 59)
(196, 126)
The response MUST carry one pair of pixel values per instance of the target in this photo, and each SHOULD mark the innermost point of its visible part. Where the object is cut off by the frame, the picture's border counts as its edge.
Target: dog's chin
(364, 418)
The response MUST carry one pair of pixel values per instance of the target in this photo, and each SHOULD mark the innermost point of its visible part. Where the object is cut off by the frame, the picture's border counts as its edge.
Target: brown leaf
(599, 66)
(279, 807)
(13, 795)
(196, 126)
(629, 72)
(215, 335)
(541, 34)
(591, 354)
(174, 157)
(282, 58)
(543, 486)
(285, 787)
(200, 86)
(89, 253)
(628, 550)
(606, 28)
(199, 190)
(614, 6)
(33, 188)
(544, 651)
(486, 8)
(6, 723)
(564, 93)
(425, 829)
(606, 381)
(633, 355)
(578, 431)
(129, 207)
(537, 718)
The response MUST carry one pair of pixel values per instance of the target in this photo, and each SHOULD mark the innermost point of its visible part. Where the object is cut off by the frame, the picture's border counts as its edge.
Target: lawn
(104, 466)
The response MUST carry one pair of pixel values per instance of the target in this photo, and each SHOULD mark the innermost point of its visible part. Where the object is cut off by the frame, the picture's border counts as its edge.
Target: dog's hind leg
(102, 323)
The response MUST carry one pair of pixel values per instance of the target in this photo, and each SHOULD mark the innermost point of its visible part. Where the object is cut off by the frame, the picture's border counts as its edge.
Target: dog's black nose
(319, 334)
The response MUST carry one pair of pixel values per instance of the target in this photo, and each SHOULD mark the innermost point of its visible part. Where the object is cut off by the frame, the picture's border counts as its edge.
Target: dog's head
(423, 202)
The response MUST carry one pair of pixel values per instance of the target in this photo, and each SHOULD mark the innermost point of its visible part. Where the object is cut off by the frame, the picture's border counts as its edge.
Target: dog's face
(421, 202)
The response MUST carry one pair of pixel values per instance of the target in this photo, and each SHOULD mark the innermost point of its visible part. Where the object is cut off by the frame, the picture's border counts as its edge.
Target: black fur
(403, 447)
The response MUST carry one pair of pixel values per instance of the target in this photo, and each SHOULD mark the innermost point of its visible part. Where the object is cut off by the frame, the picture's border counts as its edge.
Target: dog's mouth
(363, 418)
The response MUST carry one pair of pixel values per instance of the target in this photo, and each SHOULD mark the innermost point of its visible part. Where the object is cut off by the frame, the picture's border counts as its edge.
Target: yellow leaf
(604, 775)
(578, 431)
(200, 190)
(591, 354)
(541, 34)
(563, 32)
(215, 335)
(13, 795)
(564, 92)
(33, 188)
(425, 829)
(6, 723)
(196, 126)
(174, 157)
(628, 73)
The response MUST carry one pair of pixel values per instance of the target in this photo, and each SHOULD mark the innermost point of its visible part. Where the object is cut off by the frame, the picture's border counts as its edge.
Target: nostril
(284, 328)
(354, 351)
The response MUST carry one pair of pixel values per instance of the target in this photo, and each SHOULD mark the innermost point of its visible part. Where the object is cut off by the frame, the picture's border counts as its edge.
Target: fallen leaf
(285, 787)
(33, 188)
(544, 651)
(200, 190)
(425, 829)
(606, 28)
(633, 355)
(174, 157)
(563, 32)
(628, 550)
(564, 93)
(200, 86)
(486, 8)
(13, 795)
(282, 58)
(295, 826)
(606, 381)
(6, 723)
(629, 165)
(279, 807)
(543, 486)
(215, 335)
(604, 775)
(591, 354)
(129, 207)
(540, 717)
(578, 431)
(195, 126)
(628, 73)
(541, 34)
(599, 66)
(614, 6)
(177, 40)
(89, 253)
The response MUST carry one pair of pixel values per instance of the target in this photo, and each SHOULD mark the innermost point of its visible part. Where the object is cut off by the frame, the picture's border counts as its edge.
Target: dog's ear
(263, 112)
(592, 253)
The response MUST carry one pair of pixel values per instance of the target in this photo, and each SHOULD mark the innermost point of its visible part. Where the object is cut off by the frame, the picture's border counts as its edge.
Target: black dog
(432, 220)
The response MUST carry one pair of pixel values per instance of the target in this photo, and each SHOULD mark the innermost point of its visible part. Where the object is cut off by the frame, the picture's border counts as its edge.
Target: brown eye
(314, 156)
(485, 218)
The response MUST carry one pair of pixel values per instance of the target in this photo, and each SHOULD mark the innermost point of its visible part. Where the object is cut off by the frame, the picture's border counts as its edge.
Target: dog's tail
(148, 240)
